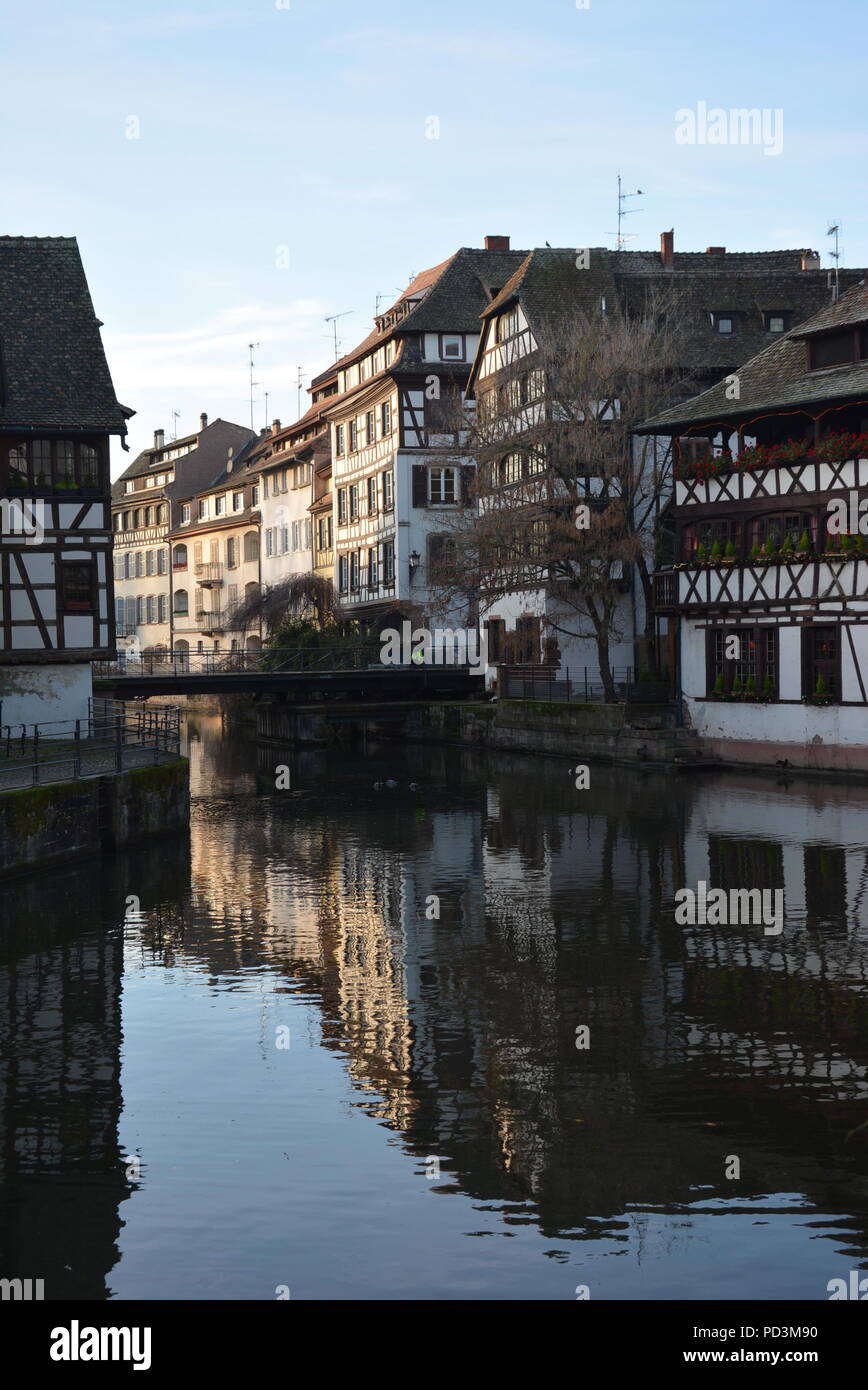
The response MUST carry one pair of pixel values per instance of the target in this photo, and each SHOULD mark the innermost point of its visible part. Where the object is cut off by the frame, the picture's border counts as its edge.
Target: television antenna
(625, 212)
(299, 385)
(176, 415)
(835, 230)
(333, 320)
(253, 383)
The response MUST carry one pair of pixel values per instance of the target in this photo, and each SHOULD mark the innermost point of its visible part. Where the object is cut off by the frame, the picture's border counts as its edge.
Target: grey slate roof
(202, 468)
(778, 378)
(53, 369)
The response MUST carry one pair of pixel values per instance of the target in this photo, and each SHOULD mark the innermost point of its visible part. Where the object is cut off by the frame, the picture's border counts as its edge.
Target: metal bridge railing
(112, 739)
(360, 656)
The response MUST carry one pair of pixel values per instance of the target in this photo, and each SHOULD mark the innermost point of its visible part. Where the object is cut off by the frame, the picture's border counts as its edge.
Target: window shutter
(420, 485)
(468, 477)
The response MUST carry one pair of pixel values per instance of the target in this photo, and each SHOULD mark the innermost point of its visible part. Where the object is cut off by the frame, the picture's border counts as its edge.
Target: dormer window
(507, 324)
(452, 347)
(723, 323)
(777, 322)
(837, 349)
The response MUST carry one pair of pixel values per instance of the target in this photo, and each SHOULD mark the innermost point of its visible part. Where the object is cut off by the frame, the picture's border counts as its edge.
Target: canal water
(332, 1046)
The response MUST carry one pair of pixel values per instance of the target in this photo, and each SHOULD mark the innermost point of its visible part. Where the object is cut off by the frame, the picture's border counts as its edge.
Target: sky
(236, 172)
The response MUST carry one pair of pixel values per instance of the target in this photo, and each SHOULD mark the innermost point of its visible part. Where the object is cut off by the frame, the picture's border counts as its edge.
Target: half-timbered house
(396, 475)
(729, 304)
(765, 602)
(58, 411)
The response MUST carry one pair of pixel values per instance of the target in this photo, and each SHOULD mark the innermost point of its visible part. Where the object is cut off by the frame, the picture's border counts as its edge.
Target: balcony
(209, 622)
(774, 581)
(209, 576)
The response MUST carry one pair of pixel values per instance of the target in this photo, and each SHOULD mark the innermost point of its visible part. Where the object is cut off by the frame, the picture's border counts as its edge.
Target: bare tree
(301, 597)
(567, 497)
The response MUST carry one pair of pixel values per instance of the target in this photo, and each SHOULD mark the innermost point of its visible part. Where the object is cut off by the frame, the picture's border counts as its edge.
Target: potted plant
(768, 688)
(821, 694)
(755, 553)
(769, 549)
(750, 687)
(716, 553)
(786, 551)
(718, 686)
(701, 554)
(804, 544)
(737, 688)
(728, 557)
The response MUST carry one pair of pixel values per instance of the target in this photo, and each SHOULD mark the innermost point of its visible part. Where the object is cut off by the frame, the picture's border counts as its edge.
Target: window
(342, 505)
(324, 533)
(386, 418)
(753, 671)
(388, 491)
(373, 579)
(496, 632)
(140, 609)
(833, 349)
(724, 324)
(139, 563)
(354, 436)
(185, 513)
(269, 541)
(441, 552)
(231, 553)
(149, 512)
(254, 495)
(707, 534)
(442, 485)
(372, 495)
(88, 465)
(152, 608)
(130, 485)
(150, 563)
(507, 324)
(452, 347)
(354, 501)
(821, 662)
(164, 608)
(202, 509)
(284, 540)
(128, 565)
(220, 505)
(179, 557)
(251, 547)
(354, 571)
(777, 323)
(181, 603)
(343, 573)
(308, 525)
(296, 527)
(238, 501)
(388, 562)
(126, 521)
(118, 521)
(162, 562)
(339, 439)
(370, 427)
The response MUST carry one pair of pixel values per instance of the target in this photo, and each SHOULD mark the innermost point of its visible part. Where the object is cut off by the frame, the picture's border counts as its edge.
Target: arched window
(179, 557)
(182, 607)
(251, 591)
(251, 546)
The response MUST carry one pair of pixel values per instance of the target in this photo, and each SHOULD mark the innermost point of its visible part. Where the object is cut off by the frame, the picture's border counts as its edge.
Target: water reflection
(434, 1093)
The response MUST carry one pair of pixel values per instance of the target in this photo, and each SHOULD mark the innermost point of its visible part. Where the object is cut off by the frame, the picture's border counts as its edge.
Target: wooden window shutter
(420, 485)
(468, 477)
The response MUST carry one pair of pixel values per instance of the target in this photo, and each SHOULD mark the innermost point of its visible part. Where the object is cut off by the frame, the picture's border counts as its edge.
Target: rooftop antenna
(625, 212)
(386, 296)
(253, 383)
(834, 230)
(176, 415)
(333, 319)
(299, 386)
(266, 409)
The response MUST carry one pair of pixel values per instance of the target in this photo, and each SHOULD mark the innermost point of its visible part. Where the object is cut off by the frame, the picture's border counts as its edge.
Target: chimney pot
(715, 251)
(159, 438)
(497, 243)
(275, 427)
(203, 421)
(667, 249)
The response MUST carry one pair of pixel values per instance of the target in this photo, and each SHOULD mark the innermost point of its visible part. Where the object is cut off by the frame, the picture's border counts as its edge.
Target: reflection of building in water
(63, 1172)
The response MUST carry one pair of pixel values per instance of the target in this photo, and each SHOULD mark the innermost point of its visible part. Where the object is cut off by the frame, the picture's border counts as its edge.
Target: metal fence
(356, 656)
(113, 738)
(582, 685)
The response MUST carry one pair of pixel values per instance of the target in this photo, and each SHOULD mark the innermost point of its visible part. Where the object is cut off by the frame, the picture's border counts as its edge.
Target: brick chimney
(715, 250)
(275, 427)
(203, 421)
(497, 243)
(810, 260)
(159, 438)
(667, 249)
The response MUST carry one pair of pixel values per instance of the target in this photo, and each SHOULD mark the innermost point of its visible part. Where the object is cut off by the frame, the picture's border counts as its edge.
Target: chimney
(159, 438)
(203, 422)
(715, 250)
(497, 243)
(275, 427)
(667, 249)
(810, 260)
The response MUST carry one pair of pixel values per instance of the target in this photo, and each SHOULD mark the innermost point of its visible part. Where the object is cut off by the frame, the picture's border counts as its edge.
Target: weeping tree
(568, 500)
(297, 611)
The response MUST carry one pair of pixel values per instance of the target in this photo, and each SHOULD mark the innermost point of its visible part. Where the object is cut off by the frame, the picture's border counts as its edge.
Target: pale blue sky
(305, 127)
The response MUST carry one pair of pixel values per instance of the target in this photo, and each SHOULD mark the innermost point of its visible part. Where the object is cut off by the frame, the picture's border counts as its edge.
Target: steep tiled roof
(53, 370)
(779, 378)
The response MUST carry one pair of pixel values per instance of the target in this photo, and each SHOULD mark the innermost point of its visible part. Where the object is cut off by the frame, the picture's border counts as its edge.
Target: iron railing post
(119, 746)
(76, 765)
